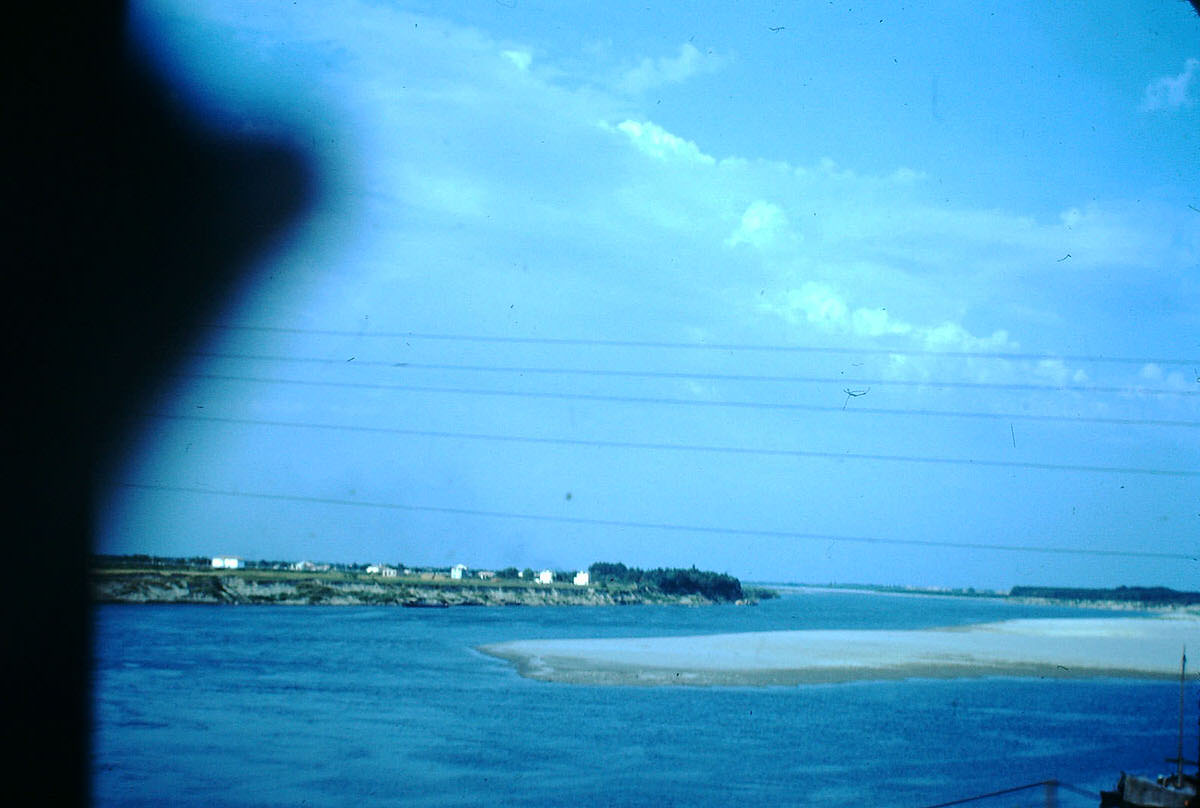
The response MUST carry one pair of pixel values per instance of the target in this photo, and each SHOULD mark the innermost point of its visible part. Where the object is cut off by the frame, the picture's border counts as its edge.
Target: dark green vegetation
(712, 585)
(1134, 595)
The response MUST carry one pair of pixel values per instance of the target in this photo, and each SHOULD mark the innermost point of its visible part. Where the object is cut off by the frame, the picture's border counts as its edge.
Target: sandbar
(1065, 648)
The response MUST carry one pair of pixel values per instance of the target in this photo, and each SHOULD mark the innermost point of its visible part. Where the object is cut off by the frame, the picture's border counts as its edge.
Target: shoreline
(319, 589)
(1020, 600)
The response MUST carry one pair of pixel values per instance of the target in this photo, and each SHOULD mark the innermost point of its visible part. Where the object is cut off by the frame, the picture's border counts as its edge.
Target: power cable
(711, 346)
(686, 402)
(667, 526)
(679, 447)
(734, 377)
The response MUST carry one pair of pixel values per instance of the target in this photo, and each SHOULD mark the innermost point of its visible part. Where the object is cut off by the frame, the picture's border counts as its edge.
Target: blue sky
(962, 215)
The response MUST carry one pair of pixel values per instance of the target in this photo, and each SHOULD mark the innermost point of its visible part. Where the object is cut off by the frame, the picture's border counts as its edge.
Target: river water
(385, 706)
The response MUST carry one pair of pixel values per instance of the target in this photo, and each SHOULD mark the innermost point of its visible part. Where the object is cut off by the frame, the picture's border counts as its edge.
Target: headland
(120, 580)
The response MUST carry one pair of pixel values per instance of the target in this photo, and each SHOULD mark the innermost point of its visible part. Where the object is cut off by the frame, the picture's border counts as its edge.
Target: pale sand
(1126, 647)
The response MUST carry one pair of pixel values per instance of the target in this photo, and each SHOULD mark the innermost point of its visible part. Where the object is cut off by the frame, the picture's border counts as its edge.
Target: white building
(545, 577)
(389, 572)
(486, 575)
(227, 562)
(582, 578)
(456, 572)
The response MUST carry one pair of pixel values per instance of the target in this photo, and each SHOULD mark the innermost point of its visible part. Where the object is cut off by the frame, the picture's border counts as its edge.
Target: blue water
(384, 706)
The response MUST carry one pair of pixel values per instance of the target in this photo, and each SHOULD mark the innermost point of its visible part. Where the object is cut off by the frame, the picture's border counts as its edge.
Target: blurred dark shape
(127, 222)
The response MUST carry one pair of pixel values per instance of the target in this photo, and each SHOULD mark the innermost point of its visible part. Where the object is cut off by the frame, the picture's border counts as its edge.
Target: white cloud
(657, 142)
(815, 303)
(1122, 236)
(1171, 92)
(950, 336)
(762, 225)
(877, 323)
(522, 59)
(820, 305)
(670, 70)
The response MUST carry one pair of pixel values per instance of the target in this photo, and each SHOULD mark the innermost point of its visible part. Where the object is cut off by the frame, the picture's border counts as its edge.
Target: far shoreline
(989, 595)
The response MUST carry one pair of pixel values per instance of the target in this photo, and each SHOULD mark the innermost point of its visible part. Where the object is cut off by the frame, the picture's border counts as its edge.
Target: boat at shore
(1165, 791)
(1178, 790)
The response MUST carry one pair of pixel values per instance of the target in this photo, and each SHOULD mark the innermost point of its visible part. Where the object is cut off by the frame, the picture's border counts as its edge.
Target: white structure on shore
(545, 577)
(308, 566)
(382, 569)
(456, 572)
(582, 578)
(227, 562)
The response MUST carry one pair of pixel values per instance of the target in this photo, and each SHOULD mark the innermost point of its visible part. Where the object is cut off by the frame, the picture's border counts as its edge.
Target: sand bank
(1127, 647)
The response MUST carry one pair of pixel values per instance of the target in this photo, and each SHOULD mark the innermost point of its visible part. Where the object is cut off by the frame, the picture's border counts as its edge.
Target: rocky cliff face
(184, 587)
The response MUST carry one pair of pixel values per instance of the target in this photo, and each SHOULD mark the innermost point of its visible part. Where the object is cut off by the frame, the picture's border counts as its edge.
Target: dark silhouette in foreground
(126, 221)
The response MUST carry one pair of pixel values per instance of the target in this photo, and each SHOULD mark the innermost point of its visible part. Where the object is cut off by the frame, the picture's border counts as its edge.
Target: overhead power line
(665, 526)
(691, 402)
(732, 377)
(708, 346)
(678, 447)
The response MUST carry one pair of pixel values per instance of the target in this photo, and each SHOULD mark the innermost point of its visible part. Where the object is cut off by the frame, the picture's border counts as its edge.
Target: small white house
(389, 572)
(486, 575)
(456, 572)
(227, 562)
(582, 578)
(545, 577)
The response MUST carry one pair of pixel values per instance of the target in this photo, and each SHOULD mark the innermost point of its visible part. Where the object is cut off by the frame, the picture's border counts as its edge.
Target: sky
(820, 292)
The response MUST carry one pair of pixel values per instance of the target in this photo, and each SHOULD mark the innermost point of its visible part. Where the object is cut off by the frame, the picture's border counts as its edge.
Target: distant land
(228, 580)
(157, 579)
(1121, 597)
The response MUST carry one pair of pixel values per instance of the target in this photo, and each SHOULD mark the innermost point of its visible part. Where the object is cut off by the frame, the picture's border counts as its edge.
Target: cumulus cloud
(877, 323)
(669, 70)
(814, 303)
(655, 141)
(1171, 92)
(819, 305)
(762, 225)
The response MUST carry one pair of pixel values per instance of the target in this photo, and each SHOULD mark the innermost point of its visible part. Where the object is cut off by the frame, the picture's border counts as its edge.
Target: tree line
(670, 581)
(1157, 595)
